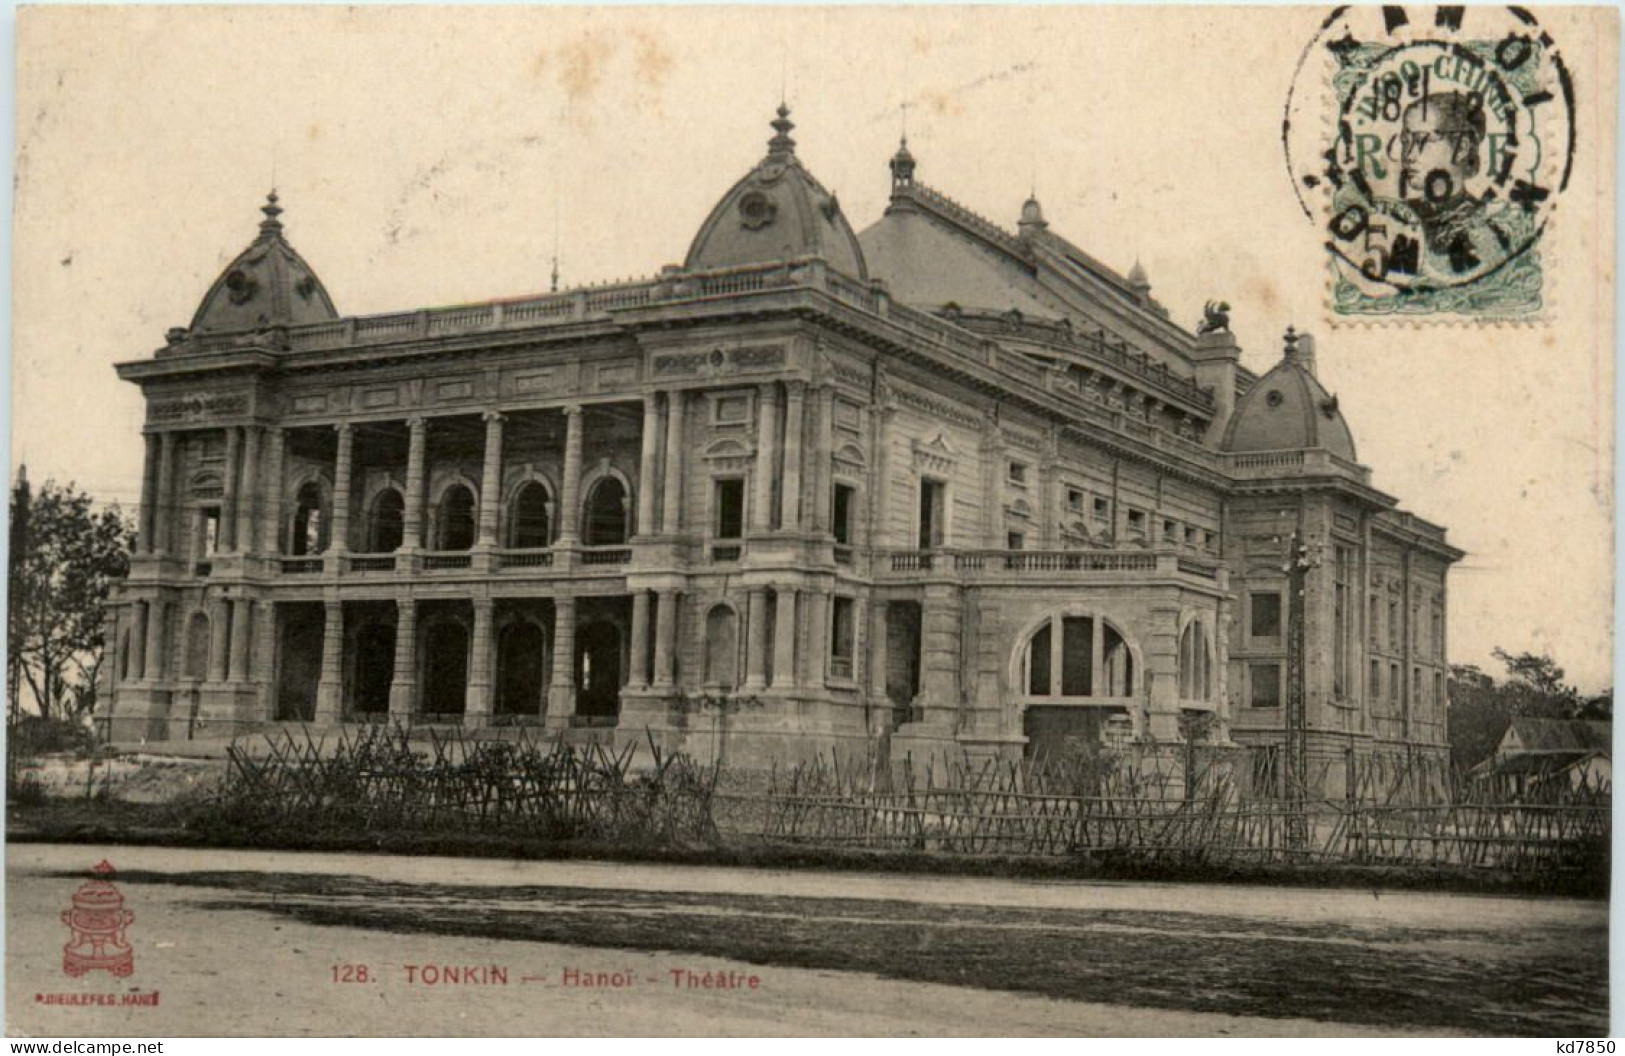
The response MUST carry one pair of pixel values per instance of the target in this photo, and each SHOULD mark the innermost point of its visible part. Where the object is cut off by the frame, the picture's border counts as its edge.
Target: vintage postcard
(543, 521)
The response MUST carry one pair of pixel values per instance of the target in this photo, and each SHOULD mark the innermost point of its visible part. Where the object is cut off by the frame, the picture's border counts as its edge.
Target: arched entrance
(607, 518)
(598, 670)
(445, 668)
(521, 669)
(374, 668)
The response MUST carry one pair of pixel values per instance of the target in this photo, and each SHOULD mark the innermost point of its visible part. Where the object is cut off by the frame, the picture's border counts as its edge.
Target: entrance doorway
(598, 670)
(445, 668)
(374, 669)
(521, 669)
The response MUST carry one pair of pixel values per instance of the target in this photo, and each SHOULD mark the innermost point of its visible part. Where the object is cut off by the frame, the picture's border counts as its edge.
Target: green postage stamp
(1432, 146)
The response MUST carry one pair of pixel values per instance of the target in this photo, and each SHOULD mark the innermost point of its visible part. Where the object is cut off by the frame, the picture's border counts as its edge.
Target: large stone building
(938, 485)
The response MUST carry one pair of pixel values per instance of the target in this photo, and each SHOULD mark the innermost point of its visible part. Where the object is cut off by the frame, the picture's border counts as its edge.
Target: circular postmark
(1431, 145)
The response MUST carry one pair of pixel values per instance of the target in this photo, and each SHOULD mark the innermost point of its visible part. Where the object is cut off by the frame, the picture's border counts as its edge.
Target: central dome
(778, 212)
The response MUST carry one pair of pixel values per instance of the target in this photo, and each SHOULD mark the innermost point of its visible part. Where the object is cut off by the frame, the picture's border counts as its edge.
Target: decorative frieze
(196, 406)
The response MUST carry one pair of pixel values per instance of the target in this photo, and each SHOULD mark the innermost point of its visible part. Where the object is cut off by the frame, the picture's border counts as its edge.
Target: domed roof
(1289, 410)
(778, 212)
(267, 285)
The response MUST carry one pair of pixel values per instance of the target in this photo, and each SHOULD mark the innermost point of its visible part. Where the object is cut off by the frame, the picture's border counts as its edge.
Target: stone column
(330, 685)
(784, 638)
(640, 641)
(271, 529)
(795, 398)
(478, 712)
(229, 495)
(339, 537)
(403, 688)
(219, 642)
(138, 642)
(155, 668)
(880, 500)
(877, 654)
(561, 695)
(824, 450)
(263, 666)
(248, 491)
(817, 609)
(570, 486)
(165, 496)
(241, 622)
(147, 527)
(671, 509)
(412, 516)
(756, 641)
(767, 450)
(665, 638)
(491, 480)
(648, 460)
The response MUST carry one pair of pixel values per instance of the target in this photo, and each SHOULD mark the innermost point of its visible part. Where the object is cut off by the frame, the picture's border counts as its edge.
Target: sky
(436, 156)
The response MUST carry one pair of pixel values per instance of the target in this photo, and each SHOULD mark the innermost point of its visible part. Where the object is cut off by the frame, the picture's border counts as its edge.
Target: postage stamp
(1432, 146)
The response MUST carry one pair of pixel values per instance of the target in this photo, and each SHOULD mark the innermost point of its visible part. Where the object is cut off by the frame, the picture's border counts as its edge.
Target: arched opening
(309, 532)
(606, 517)
(456, 520)
(722, 647)
(196, 664)
(598, 670)
(1195, 663)
(528, 527)
(445, 668)
(374, 668)
(299, 660)
(386, 522)
(1077, 657)
(521, 669)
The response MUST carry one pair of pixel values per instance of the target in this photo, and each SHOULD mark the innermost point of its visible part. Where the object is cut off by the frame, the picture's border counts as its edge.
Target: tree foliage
(1481, 708)
(65, 555)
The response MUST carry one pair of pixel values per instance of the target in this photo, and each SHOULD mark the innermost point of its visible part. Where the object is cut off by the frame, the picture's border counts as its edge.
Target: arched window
(528, 527)
(386, 522)
(456, 519)
(1077, 657)
(1195, 663)
(605, 517)
(721, 647)
(309, 533)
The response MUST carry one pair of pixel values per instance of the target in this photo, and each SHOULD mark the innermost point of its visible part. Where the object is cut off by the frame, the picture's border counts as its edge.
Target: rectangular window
(730, 506)
(1136, 523)
(1266, 685)
(842, 641)
(1103, 510)
(932, 510)
(1416, 686)
(1266, 615)
(1373, 690)
(1074, 500)
(844, 509)
(209, 526)
(1438, 688)
(1393, 683)
(1018, 473)
(1374, 617)
(1393, 624)
(1192, 536)
(1170, 531)
(1015, 540)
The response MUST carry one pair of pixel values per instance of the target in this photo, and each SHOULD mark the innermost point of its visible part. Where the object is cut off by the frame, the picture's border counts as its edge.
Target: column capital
(492, 417)
(795, 388)
(769, 391)
(343, 428)
(572, 410)
(483, 604)
(416, 422)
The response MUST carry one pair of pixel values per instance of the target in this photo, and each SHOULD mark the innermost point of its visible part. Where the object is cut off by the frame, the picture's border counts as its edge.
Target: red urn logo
(98, 919)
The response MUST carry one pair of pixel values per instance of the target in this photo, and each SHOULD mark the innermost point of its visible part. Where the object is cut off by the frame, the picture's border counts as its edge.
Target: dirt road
(273, 943)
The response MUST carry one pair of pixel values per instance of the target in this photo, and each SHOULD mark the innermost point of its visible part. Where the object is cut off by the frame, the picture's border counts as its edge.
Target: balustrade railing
(446, 562)
(730, 552)
(525, 559)
(301, 566)
(372, 563)
(1044, 562)
(609, 555)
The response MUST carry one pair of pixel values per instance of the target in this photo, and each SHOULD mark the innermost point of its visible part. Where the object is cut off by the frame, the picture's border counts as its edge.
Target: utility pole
(1298, 563)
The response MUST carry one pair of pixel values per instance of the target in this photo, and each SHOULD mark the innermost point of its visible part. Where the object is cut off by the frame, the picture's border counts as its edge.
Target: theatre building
(941, 485)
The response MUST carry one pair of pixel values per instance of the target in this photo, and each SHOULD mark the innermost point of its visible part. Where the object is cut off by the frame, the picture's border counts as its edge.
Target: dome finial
(1138, 278)
(1032, 216)
(271, 225)
(1290, 339)
(902, 164)
(781, 143)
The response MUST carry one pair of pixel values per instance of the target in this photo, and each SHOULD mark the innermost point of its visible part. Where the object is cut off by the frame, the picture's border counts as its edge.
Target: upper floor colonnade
(582, 475)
